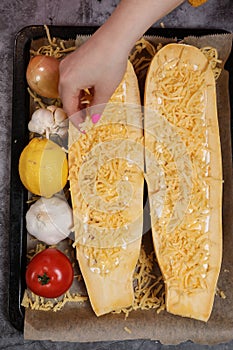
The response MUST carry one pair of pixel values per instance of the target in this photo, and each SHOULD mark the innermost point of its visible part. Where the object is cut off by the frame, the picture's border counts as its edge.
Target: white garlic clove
(52, 108)
(59, 115)
(41, 120)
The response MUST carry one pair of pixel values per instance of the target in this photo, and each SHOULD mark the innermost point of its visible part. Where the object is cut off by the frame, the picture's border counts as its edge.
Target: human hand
(97, 65)
(100, 63)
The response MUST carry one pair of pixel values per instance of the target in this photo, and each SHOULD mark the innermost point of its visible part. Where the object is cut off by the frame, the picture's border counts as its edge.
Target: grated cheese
(127, 330)
(220, 293)
(179, 125)
(140, 57)
(212, 55)
(106, 164)
(144, 51)
(148, 286)
(95, 163)
(55, 47)
(35, 302)
(179, 96)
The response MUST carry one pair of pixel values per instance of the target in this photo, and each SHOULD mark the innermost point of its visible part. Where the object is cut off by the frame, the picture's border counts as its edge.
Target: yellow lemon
(43, 167)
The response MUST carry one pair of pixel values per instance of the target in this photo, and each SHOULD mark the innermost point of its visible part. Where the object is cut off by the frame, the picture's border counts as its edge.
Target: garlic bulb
(50, 120)
(50, 220)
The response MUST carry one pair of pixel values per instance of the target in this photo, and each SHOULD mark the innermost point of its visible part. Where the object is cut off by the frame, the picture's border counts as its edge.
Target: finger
(77, 118)
(70, 99)
(98, 103)
(68, 93)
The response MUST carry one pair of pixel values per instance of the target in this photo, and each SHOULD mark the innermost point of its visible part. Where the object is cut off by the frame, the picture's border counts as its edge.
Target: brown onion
(43, 75)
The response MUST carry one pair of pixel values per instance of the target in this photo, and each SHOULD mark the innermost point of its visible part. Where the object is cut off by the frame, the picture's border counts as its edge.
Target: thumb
(70, 104)
(100, 99)
(69, 97)
(77, 118)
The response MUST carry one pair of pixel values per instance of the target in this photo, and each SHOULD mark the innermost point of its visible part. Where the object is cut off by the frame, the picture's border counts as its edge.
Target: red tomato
(49, 274)
(43, 75)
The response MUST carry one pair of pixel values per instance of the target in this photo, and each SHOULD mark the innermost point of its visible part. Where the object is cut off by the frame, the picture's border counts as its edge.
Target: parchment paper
(77, 322)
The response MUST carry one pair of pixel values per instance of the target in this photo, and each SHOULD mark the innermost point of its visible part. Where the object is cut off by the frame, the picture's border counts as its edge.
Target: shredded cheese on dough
(144, 51)
(109, 159)
(179, 96)
(101, 261)
(104, 177)
(104, 223)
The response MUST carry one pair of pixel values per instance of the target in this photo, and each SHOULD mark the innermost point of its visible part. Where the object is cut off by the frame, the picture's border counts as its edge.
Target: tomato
(49, 274)
(43, 75)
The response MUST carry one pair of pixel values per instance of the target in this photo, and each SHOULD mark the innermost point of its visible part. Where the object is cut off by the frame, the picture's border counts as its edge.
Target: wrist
(131, 19)
(111, 42)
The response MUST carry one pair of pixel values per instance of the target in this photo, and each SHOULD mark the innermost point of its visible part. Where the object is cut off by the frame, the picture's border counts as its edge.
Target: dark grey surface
(16, 14)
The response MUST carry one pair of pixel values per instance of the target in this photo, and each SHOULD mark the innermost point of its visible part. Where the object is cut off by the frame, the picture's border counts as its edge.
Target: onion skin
(43, 75)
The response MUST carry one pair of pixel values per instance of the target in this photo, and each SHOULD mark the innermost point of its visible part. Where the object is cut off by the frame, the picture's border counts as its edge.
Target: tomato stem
(43, 279)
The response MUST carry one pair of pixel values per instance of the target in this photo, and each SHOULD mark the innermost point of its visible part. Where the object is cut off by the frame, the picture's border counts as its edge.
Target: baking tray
(20, 138)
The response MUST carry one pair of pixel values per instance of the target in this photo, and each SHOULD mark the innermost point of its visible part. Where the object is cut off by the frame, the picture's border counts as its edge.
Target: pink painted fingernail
(95, 118)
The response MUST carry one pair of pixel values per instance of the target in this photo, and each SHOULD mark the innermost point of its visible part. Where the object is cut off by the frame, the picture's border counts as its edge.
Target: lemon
(43, 167)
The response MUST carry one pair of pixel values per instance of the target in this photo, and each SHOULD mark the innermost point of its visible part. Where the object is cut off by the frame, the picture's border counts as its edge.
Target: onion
(43, 75)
